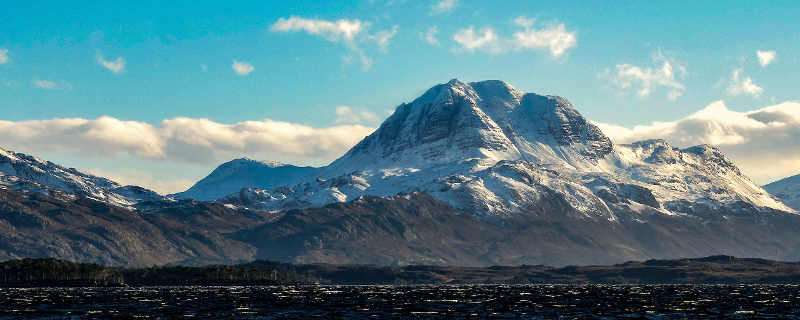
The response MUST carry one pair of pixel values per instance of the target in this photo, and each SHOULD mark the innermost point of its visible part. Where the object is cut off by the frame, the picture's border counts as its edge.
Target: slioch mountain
(495, 152)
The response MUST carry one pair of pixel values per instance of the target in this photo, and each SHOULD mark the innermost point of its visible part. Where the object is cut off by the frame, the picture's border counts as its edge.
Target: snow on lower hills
(24, 172)
(232, 176)
(788, 190)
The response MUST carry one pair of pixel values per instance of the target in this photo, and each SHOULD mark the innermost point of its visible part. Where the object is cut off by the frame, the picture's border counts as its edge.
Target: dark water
(431, 302)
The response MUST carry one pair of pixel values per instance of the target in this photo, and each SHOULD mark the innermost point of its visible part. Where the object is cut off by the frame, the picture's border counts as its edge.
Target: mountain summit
(489, 120)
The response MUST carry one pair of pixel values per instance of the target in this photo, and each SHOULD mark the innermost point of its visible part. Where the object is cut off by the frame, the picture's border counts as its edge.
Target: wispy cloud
(766, 57)
(443, 6)
(647, 80)
(50, 85)
(485, 39)
(242, 68)
(333, 31)
(354, 115)
(738, 85)
(382, 37)
(3, 56)
(553, 37)
(184, 140)
(350, 32)
(114, 66)
(764, 144)
(45, 84)
(430, 36)
(144, 179)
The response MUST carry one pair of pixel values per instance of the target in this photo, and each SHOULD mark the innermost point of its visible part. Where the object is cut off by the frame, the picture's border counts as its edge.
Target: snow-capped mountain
(23, 172)
(788, 190)
(493, 151)
(232, 176)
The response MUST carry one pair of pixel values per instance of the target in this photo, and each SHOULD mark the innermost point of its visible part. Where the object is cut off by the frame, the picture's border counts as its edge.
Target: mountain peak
(457, 90)
(247, 161)
(488, 120)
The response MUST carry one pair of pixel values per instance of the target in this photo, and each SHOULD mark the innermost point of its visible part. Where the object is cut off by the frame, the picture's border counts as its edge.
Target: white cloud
(349, 115)
(242, 68)
(45, 84)
(114, 66)
(649, 79)
(444, 6)
(764, 144)
(738, 85)
(382, 37)
(485, 39)
(350, 32)
(766, 57)
(430, 37)
(3, 56)
(553, 37)
(187, 140)
(333, 31)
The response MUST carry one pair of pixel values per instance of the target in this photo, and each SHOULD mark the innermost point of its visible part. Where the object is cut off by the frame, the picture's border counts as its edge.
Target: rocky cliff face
(489, 120)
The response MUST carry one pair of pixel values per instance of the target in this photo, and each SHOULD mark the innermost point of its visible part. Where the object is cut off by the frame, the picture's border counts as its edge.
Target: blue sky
(159, 94)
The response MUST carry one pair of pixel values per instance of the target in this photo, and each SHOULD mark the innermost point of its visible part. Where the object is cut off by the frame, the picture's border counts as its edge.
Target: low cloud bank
(187, 140)
(764, 144)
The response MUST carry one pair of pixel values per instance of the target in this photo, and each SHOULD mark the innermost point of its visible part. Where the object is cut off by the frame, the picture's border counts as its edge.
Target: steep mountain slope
(416, 228)
(35, 225)
(495, 152)
(28, 172)
(232, 176)
(788, 190)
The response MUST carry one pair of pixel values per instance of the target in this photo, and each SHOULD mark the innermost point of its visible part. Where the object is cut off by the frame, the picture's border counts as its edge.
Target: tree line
(55, 272)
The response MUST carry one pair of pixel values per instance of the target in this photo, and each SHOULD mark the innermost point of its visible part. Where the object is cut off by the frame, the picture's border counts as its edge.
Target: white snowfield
(495, 152)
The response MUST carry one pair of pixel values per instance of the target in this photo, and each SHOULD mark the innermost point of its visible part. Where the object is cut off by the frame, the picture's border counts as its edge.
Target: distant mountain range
(469, 174)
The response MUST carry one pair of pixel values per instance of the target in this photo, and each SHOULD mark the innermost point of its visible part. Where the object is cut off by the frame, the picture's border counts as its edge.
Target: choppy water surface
(437, 302)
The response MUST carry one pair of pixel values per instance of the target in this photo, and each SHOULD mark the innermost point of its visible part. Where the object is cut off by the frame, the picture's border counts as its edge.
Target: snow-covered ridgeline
(24, 172)
(494, 151)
